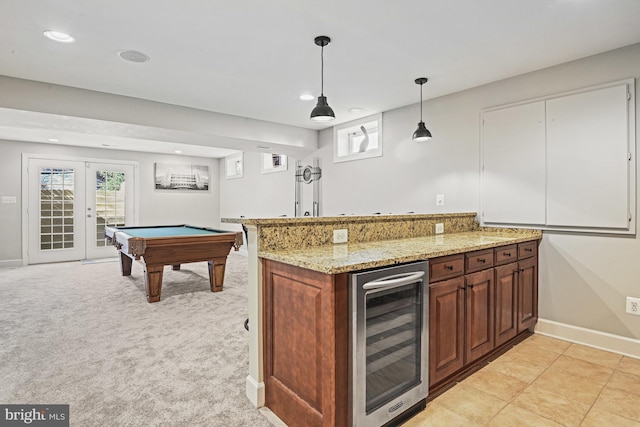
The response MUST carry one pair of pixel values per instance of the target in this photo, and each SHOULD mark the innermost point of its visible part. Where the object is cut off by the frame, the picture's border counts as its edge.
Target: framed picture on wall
(273, 163)
(177, 176)
(233, 166)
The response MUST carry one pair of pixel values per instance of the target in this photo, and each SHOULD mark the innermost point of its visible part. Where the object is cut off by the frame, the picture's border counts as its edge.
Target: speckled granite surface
(305, 232)
(347, 257)
(376, 240)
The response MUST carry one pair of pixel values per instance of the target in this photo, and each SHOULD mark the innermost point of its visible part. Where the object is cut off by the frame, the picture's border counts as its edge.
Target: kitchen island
(305, 366)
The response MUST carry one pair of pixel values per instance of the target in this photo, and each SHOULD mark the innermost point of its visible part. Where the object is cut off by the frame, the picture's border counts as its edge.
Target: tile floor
(543, 382)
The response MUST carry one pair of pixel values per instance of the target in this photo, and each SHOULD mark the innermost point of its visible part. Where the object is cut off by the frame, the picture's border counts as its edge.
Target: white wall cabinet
(562, 163)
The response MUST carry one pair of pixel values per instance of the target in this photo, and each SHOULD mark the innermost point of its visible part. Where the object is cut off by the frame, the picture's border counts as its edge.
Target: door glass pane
(56, 208)
(110, 196)
(393, 324)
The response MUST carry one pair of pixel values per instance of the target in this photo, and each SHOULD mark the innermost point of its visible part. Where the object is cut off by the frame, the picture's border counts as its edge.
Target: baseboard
(589, 337)
(8, 263)
(255, 392)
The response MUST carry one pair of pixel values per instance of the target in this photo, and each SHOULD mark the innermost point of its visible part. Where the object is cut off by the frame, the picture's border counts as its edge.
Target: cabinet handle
(520, 270)
(482, 260)
(506, 254)
(463, 288)
(449, 267)
(528, 250)
(470, 286)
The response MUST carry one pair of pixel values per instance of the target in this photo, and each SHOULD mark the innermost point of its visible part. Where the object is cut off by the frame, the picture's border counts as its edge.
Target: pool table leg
(153, 282)
(125, 264)
(216, 273)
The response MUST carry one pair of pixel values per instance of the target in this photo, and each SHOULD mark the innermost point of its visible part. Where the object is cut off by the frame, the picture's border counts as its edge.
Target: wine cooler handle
(394, 281)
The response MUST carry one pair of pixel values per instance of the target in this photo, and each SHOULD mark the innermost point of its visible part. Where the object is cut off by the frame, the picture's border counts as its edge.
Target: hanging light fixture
(322, 112)
(421, 134)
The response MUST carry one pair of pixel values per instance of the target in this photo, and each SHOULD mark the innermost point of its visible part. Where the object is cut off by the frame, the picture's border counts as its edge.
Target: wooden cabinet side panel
(506, 303)
(305, 377)
(479, 306)
(446, 328)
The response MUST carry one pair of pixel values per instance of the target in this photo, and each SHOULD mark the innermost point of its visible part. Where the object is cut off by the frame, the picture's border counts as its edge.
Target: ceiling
(255, 58)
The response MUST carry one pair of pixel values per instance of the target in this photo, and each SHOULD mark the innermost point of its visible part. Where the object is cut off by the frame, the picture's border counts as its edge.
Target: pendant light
(322, 112)
(421, 134)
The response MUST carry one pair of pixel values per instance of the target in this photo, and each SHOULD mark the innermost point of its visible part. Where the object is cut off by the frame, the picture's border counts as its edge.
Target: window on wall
(273, 162)
(233, 166)
(359, 139)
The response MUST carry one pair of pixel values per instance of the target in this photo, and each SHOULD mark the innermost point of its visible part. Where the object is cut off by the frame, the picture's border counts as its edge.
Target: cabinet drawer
(527, 249)
(446, 267)
(478, 260)
(506, 254)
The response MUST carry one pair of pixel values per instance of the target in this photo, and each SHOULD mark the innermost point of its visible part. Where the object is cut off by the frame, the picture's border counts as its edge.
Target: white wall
(155, 207)
(584, 279)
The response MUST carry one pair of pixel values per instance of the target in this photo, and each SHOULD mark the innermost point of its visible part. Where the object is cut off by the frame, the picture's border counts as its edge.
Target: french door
(71, 202)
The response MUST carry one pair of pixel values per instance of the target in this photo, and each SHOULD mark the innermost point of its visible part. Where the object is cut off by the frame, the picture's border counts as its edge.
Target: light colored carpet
(81, 334)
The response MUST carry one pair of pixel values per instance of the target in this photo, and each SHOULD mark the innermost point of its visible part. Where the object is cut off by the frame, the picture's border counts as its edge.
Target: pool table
(157, 246)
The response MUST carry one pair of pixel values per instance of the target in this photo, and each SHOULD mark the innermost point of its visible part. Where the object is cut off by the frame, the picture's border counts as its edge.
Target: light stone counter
(348, 257)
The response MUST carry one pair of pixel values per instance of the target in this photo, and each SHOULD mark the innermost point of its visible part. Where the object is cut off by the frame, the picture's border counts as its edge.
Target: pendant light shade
(322, 111)
(421, 134)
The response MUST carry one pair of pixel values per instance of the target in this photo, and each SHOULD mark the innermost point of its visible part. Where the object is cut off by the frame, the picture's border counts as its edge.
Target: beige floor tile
(476, 406)
(517, 368)
(438, 415)
(534, 355)
(598, 418)
(514, 416)
(499, 385)
(572, 387)
(571, 366)
(553, 406)
(625, 382)
(630, 365)
(593, 355)
(547, 343)
(619, 402)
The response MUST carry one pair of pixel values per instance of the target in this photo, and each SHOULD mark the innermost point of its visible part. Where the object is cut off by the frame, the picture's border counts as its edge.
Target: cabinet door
(528, 293)
(479, 310)
(506, 302)
(446, 328)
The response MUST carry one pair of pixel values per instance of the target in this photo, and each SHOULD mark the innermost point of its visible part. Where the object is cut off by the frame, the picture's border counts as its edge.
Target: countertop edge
(524, 235)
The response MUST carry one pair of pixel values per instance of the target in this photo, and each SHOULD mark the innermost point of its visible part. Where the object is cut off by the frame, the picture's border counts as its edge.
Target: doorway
(70, 202)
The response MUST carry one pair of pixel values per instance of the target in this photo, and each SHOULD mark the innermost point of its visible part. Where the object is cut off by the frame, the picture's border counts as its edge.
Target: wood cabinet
(306, 339)
(480, 306)
(460, 312)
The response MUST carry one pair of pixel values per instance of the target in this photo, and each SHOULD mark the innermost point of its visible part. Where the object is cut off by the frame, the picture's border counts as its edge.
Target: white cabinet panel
(588, 167)
(514, 165)
(562, 163)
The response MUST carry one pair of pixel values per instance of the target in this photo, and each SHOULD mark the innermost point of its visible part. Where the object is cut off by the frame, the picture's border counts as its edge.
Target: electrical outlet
(440, 228)
(340, 236)
(439, 199)
(633, 305)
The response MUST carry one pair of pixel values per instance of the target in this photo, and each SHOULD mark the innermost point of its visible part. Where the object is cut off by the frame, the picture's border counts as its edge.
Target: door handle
(393, 281)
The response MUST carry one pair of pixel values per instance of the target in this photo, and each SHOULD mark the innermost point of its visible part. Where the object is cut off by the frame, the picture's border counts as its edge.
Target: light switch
(8, 199)
(439, 199)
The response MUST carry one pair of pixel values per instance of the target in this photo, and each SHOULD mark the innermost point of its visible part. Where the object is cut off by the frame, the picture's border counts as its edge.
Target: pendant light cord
(322, 70)
(421, 102)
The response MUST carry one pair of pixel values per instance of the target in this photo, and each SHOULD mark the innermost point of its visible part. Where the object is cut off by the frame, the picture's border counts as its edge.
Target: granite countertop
(284, 220)
(348, 257)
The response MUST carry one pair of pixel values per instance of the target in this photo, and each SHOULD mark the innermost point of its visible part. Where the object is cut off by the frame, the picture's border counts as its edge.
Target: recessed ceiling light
(307, 97)
(355, 110)
(177, 151)
(58, 36)
(133, 56)
(53, 140)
